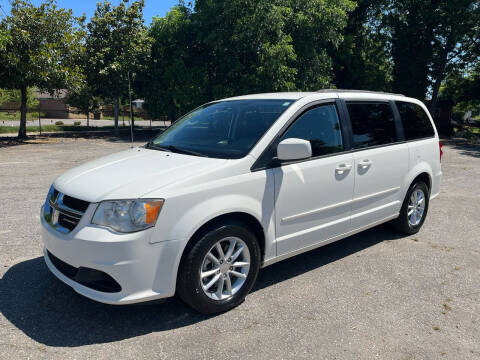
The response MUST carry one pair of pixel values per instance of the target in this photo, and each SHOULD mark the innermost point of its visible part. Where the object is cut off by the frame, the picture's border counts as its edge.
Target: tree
(230, 47)
(362, 60)
(430, 39)
(40, 45)
(457, 41)
(463, 89)
(172, 80)
(83, 98)
(316, 27)
(117, 45)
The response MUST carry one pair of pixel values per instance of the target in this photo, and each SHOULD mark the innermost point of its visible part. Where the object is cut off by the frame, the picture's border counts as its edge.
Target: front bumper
(144, 271)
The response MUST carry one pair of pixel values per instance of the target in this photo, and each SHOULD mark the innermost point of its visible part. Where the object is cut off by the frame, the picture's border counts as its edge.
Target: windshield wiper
(151, 145)
(176, 149)
(173, 148)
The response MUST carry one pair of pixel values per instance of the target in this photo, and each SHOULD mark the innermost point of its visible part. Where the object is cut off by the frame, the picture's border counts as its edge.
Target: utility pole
(131, 106)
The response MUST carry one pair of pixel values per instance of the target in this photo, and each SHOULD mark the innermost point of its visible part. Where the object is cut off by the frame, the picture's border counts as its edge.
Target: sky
(152, 7)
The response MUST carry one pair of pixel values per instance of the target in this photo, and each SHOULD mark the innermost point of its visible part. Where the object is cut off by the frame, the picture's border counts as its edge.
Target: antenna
(131, 107)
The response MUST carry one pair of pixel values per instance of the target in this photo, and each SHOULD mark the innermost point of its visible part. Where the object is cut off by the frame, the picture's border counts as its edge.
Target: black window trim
(267, 161)
(263, 162)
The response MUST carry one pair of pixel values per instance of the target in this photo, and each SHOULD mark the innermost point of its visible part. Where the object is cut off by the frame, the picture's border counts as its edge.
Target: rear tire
(414, 209)
(212, 279)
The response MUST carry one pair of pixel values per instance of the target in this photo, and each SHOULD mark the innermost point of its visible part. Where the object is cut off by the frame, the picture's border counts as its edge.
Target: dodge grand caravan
(236, 185)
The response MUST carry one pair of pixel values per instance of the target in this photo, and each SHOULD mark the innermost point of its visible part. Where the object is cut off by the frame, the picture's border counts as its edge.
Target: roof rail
(356, 91)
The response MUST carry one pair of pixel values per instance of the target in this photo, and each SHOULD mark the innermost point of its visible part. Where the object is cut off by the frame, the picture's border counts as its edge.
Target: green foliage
(7, 95)
(41, 43)
(116, 44)
(225, 48)
(220, 48)
(362, 60)
(39, 49)
(83, 99)
(4, 37)
(117, 48)
(463, 90)
(430, 39)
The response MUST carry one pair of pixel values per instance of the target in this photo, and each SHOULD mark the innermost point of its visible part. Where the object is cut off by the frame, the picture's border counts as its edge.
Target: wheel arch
(421, 171)
(245, 218)
(425, 177)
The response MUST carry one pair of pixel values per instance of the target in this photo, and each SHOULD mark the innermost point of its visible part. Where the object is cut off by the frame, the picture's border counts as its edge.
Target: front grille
(91, 278)
(76, 204)
(68, 222)
(63, 212)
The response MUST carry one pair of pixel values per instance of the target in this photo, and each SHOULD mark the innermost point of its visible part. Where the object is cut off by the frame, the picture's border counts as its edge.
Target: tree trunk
(22, 131)
(435, 91)
(88, 119)
(438, 78)
(117, 107)
(440, 73)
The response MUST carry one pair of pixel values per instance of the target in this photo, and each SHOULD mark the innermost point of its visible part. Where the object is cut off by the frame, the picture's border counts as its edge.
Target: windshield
(225, 129)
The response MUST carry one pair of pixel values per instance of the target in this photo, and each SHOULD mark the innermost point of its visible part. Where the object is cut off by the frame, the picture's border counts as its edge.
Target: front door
(313, 196)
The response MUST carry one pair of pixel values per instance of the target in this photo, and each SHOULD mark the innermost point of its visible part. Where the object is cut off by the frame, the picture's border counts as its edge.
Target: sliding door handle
(364, 164)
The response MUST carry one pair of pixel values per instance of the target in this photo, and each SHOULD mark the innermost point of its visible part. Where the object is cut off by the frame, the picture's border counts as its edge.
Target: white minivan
(236, 185)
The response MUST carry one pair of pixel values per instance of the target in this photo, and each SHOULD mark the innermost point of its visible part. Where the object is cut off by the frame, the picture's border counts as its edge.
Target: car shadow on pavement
(464, 147)
(140, 135)
(51, 313)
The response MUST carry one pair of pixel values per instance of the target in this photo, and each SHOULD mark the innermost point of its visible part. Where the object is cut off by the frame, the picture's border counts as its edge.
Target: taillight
(440, 145)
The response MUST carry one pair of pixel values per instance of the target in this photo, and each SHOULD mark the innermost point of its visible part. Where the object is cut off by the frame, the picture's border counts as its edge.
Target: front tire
(414, 209)
(219, 270)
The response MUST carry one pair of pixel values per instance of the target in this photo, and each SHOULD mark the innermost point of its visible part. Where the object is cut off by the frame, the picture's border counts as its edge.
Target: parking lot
(374, 295)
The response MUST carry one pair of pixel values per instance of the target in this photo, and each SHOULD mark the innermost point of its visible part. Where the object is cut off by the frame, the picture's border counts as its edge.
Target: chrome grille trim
(56, 213)
(60, 206)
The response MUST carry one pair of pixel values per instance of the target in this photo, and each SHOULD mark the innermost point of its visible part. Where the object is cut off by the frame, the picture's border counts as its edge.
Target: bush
(58, 122)
(76, 123)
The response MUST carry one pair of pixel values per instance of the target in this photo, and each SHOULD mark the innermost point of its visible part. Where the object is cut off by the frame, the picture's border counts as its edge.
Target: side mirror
(294, 149)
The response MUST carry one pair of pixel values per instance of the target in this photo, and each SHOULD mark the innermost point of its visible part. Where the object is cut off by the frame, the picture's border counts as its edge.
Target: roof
(278, 95)
(57, 94)
(356, 91)
(324, 93)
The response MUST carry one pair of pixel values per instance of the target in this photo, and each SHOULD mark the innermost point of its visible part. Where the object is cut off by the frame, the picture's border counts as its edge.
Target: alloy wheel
(416, 207)
(225, 268)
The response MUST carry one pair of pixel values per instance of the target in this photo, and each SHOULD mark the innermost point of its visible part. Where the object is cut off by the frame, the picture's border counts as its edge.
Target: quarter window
(320, 126)
(415, 121)
(373, 124)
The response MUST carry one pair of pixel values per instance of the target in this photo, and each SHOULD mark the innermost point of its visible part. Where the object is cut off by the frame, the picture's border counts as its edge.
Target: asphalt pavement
(375, 295)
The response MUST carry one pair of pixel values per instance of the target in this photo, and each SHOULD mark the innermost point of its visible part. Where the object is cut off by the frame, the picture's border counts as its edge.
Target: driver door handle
(340, 169)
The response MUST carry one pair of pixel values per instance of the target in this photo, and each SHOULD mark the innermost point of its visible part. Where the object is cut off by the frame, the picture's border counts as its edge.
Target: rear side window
(372, 124)
(416, 124)
(320, 126)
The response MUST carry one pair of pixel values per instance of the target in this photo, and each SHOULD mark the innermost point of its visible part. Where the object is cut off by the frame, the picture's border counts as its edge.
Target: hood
(131, 174)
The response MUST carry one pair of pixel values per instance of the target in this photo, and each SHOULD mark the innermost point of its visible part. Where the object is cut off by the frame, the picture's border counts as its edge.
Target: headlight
(128, 215)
